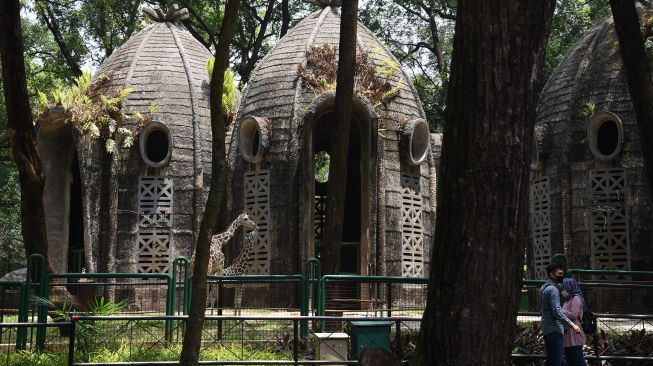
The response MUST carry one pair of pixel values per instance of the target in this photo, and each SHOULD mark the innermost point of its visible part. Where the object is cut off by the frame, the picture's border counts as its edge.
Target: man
(554, 320)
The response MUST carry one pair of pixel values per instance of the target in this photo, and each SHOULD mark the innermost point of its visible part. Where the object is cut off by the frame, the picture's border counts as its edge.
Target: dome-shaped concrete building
(280, 128)
(134, 210)
(589, 196)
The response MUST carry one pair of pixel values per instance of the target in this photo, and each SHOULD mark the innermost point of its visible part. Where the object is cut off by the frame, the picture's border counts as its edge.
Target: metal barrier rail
(611, 328)
(365, 279)
(295, 341)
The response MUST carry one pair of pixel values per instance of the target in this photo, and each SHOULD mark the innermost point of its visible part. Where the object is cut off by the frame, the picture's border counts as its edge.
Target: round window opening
(420, 142)
(322, 161)
(605, 136)
(415, 141)
(155, 144)
(252, 139)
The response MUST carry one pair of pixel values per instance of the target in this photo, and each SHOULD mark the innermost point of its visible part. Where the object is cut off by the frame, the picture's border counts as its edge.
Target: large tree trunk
(285, 17)
(337, 185)
(21, 132)
(217, 192)
(626, 22)
(482, 213)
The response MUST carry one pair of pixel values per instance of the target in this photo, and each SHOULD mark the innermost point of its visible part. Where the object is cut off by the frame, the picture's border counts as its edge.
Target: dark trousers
(554, 349)
(574, 356)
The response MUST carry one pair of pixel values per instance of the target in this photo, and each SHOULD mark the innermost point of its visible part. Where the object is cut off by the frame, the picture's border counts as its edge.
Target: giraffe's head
(247, 222)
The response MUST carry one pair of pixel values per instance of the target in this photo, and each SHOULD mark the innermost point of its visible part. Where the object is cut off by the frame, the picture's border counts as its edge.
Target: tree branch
(51, 22)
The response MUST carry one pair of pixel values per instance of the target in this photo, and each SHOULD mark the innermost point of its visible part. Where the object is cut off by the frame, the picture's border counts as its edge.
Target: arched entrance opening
(350, 252)
(62, 199)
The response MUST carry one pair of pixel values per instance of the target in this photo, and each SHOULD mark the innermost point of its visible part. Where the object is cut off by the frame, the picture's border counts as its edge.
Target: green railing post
(23, 311)
(311, 278)
(179, 260)
(37, 261)
(170, 300)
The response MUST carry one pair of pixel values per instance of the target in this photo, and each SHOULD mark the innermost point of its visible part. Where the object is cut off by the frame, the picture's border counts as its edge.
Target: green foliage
(322, 160)
(588, 110)
(12, 253)
(571, 20)
(33, 358)
(93, 113)
(229, 91)
(124, 353)
(434, 98)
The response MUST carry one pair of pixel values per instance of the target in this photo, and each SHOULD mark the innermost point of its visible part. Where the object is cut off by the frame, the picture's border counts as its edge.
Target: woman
(573, 309)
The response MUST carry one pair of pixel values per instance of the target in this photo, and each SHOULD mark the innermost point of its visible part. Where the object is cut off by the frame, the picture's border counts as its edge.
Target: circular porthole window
(253, 138)
(415, 140)
(155, 144)
(605, 134)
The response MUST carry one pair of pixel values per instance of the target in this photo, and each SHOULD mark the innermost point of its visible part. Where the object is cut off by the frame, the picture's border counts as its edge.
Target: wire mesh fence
(54, 350)
(256, 295)
(136, 295)
(621, 339)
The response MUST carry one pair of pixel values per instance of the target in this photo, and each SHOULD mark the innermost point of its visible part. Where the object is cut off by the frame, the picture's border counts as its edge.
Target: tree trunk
(285, 17)
(217, 192)
(626, 22)
(337, 185)
(482, 213)
(21, 132)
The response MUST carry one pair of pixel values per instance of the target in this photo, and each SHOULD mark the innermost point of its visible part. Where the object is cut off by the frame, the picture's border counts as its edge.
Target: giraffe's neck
(239, 264)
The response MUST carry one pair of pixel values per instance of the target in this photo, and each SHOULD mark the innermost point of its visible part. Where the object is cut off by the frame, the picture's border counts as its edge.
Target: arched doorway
(62, 199)
(350, 252)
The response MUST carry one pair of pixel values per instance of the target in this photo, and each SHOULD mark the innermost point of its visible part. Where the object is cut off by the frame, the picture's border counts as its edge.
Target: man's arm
(556, 310)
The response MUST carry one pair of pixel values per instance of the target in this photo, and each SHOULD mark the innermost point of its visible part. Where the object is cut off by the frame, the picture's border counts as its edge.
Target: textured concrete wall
(591, 72)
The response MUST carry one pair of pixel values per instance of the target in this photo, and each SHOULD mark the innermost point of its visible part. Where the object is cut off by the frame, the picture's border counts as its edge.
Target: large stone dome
(164, 65)
(589, 198)
(283, 127)
(138, 208)
(275, 90)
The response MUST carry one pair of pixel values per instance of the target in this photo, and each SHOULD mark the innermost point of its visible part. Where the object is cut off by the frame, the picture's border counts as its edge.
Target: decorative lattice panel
(610, 243)
(412, 237)
(154, 224)
(541, 226)
(320, 217)
(257, 206)
(155, 201)
(153, 250)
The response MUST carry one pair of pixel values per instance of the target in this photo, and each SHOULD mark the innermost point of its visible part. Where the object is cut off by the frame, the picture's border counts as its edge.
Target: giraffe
(238, 267)
(216, 257)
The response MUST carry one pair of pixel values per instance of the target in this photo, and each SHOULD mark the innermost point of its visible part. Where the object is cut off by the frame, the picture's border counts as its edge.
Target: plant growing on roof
(588, 110)
(375, 83)
(93, 113)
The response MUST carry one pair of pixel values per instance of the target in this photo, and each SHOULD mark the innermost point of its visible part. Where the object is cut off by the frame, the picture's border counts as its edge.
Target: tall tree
(217, 192)
(22, 136)
(640, 84)
(337, 185)
(482, 214)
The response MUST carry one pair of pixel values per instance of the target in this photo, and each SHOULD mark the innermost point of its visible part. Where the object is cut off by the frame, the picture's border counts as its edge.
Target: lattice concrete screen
(257, 206)
(412, 236)
(320, 217)
(154, 224)
(610, 243)
(541, 226)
